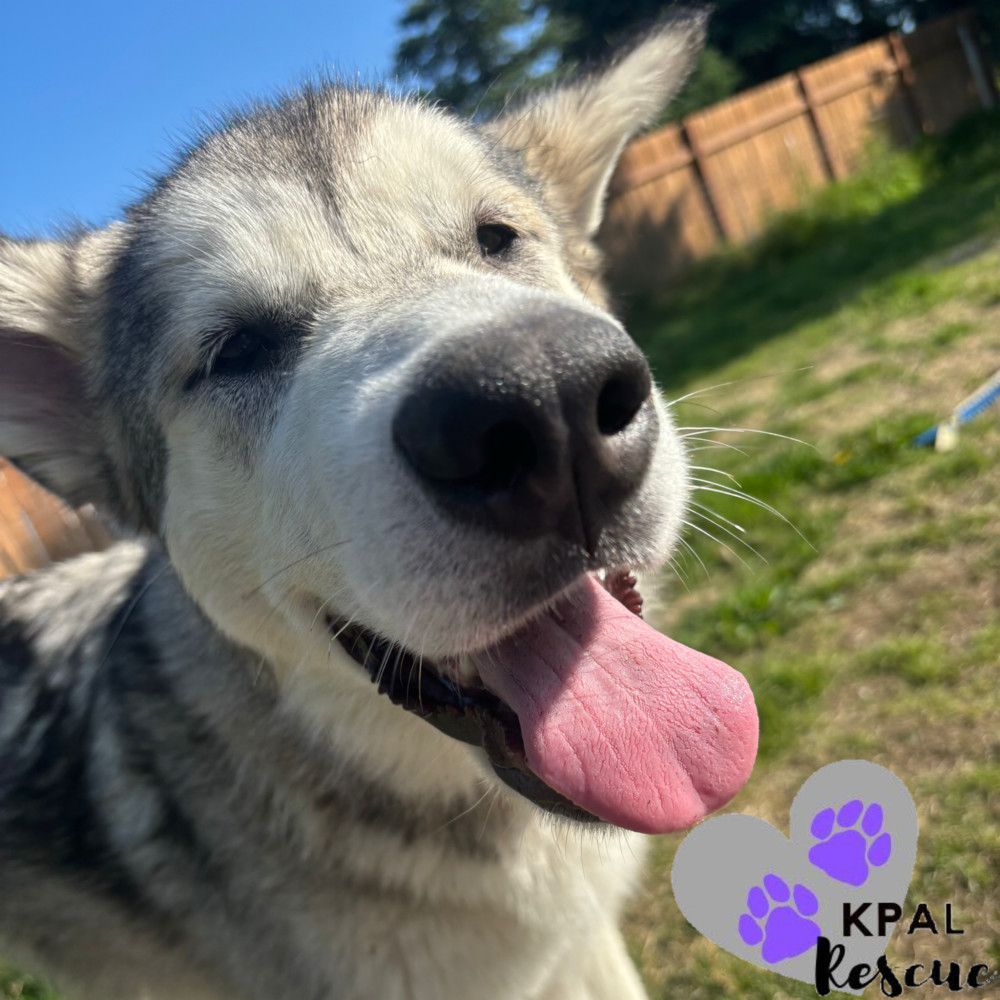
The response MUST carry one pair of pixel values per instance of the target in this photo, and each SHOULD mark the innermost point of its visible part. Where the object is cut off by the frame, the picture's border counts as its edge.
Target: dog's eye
(495, 238)
(249, 348)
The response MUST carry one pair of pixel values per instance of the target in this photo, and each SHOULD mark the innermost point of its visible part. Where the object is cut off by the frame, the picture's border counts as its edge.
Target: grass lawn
(852, 326)
(872, 628)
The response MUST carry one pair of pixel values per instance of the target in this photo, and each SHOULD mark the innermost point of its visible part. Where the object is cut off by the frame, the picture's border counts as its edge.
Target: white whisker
(465, 812)
(738, 381)
(748, 430)
(714, 444)
(718, 541)
(716, 514)
(731, 534)
(692, 550)
(677, 573)
(716, 488)
(717, 472)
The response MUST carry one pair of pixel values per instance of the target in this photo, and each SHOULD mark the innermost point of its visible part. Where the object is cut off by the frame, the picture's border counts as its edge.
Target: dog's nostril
(509, 451)
(463, 446)
(619, 401)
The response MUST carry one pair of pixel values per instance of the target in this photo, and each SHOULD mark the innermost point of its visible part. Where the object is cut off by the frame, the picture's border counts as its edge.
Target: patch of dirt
(935, 384)
(878, 609)
(841, 361)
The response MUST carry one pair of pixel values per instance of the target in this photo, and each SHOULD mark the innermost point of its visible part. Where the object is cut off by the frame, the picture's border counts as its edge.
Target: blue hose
(986, 395)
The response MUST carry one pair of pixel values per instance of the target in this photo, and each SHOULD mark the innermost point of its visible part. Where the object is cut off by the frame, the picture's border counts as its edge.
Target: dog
(361, 706)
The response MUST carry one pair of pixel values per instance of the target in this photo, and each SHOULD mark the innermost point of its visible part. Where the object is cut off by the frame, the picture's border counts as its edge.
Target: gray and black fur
(201, 793)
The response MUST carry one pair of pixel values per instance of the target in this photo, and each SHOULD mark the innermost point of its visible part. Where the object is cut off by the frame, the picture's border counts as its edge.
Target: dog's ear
(571, 137)
(48, 425)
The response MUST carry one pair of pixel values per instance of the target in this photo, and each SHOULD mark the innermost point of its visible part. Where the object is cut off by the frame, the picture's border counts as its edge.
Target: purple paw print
(846, 855)
(787, 932)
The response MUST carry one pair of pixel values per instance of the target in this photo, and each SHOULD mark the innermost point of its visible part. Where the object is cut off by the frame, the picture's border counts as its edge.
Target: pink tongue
(628, 724)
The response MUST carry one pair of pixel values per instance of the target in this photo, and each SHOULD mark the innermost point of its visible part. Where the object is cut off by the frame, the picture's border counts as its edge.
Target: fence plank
(760, 153)
(719, 175)
(36, 528)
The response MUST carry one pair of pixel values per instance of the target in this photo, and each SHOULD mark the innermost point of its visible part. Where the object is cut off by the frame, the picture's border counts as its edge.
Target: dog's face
(352, 362)
(355, 383)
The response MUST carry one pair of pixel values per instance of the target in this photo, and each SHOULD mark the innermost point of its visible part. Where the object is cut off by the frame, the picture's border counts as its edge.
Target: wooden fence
(716, 177)
(36, 528)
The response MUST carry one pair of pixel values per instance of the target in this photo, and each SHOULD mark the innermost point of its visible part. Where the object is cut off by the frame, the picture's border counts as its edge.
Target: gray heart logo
(768, 899)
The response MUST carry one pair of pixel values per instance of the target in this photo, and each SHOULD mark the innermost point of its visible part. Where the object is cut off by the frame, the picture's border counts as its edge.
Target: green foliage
(473, 55)
(461, 50)
(17, 986)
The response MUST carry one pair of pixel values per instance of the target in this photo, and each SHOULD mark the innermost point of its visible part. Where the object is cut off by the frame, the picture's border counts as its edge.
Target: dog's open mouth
(588, 711)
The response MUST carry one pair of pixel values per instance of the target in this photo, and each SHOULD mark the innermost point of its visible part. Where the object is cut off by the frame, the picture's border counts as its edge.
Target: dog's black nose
(542, 425)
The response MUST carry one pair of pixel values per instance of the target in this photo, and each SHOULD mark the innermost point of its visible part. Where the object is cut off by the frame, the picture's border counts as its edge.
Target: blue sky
(96, 95)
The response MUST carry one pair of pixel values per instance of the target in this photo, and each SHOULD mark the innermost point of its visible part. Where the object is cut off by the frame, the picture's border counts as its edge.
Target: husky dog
(360, 708)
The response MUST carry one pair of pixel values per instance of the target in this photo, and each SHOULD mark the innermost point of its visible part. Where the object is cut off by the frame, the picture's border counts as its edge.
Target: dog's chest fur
(203, 810)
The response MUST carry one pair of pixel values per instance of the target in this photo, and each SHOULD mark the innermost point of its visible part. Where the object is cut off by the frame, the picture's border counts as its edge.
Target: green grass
(947, 334)
(852, 325)
(17, 986)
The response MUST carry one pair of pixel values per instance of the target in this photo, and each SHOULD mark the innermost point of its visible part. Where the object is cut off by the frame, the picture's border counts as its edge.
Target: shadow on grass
(867, 232)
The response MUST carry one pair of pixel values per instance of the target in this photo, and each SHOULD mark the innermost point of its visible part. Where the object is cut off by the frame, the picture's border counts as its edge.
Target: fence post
(717, 208)
(974, 57)
(907, 80)
(835, 168)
